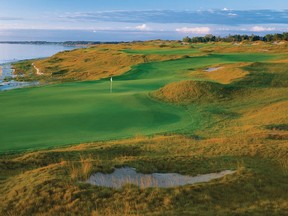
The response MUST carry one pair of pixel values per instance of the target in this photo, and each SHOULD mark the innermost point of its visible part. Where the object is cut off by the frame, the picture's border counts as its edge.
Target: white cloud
(261, 29)
(225, 9)
(232, 14)
(196, 30)
(143, 27)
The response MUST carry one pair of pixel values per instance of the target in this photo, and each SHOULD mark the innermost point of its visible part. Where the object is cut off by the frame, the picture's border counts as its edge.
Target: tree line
(237, 38)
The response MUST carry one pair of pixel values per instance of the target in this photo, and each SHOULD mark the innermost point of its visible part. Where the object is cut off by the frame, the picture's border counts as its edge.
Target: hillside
(186, 92)
(100, 61)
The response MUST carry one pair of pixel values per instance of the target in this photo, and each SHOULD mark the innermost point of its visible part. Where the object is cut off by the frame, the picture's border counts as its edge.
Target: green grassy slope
(81, 112)
(85, 111)
(173, 70)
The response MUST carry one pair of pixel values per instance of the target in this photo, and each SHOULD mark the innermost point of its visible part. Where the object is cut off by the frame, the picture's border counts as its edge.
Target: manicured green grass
(175, 70)
(81, 112)
(86, 111)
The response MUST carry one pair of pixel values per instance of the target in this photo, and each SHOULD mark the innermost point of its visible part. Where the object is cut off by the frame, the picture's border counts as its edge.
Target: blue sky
(114, 20)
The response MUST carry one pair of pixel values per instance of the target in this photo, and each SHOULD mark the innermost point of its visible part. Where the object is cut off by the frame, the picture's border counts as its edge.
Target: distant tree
(229, 38)
(198, 40)
(194, 40)
(209, 37)
(218, 39)
(187, 39)
(254, 37)
(234, 38)
(277, 37)
(237, 38)
(285, 36)
(268, 38)
(244, 37)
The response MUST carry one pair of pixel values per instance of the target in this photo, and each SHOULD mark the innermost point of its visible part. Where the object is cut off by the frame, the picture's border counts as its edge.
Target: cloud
(196, 30)
(232, 14)
(217, 17)
(143, 27)
(261, 29)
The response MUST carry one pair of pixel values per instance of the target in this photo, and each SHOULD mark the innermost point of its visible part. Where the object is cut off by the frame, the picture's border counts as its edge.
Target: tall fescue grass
(80, 170)
(260, 163)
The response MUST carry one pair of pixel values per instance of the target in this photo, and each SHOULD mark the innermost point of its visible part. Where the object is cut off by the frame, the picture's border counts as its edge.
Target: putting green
(78, 112)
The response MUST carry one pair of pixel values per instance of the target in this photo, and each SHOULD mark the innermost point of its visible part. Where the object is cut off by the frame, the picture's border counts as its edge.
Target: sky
(127, 20)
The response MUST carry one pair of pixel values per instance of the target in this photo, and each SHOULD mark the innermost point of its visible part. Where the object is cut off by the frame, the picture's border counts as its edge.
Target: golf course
(170, 107)
(72, 113)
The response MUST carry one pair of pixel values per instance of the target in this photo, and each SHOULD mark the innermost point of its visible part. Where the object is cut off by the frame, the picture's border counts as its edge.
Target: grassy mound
(190, 91)
(224, 74)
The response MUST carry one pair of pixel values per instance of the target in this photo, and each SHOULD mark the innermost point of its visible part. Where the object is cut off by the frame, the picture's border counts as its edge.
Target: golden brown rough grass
(224, 74)
(185, 92)
(96, 62)
(42, 183)
(88, 64)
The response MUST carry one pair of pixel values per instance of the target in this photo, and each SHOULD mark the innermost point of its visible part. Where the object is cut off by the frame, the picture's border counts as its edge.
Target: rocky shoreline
(7, 72)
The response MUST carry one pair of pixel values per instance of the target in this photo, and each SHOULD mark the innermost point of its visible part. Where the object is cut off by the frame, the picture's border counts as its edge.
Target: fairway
(75, 113)
(79, 112)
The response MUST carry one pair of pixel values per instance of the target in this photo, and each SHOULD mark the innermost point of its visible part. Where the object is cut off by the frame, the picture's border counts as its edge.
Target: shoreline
(7, 61)
(6, 70)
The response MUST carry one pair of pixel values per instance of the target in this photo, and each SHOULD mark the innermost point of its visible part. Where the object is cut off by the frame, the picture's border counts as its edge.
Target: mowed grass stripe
(51, 116)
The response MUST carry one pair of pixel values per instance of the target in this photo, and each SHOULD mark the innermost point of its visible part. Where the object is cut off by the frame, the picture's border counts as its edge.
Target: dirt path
(38, 72)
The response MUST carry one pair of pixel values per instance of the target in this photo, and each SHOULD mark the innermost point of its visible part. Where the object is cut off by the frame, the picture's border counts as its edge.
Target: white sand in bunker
(127, 175)
(212, 69)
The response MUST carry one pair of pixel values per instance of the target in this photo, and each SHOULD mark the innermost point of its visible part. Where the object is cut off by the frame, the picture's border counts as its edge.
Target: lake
(16, 52)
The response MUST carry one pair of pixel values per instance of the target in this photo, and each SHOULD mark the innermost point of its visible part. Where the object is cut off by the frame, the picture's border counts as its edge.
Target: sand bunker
(127, 175)
(212, 69)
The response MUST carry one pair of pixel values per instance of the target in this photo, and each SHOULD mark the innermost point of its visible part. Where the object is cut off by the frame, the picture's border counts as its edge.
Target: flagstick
(111, 85)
